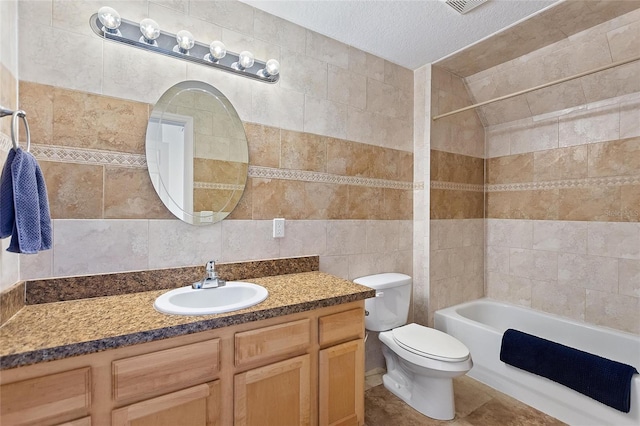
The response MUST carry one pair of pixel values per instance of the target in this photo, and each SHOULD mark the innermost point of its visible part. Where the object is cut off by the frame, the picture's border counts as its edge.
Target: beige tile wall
(563, 178)
(456, 206)
(603, 44)
(330, 144)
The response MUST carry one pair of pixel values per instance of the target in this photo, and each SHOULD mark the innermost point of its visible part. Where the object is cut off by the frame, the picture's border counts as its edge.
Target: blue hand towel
(599, 378)
(24, 207)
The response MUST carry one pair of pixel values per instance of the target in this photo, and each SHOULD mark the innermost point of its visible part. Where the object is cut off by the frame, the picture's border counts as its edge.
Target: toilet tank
(390, 308)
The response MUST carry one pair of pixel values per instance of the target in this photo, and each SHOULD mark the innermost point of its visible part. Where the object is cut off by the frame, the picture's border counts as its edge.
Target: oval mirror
(197, 153)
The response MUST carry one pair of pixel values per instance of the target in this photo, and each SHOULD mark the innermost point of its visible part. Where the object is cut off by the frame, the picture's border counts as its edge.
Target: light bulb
(245, 60)
(185, 42)
(217, 51)
(271, 68)
(150, 31)
(110, 19)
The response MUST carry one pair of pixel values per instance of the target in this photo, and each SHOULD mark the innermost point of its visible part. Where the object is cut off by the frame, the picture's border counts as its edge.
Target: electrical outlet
(278, 227)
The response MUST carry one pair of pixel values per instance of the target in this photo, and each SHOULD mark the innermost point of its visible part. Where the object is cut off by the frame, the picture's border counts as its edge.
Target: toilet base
(430, 396)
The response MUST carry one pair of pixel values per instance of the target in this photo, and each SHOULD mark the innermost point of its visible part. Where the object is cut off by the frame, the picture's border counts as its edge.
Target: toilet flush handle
(379, 293)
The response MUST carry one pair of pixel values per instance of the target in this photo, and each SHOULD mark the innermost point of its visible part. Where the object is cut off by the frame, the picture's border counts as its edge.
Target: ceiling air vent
(464, 6)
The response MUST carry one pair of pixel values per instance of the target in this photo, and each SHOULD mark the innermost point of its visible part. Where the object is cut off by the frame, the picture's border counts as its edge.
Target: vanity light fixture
(108, 24)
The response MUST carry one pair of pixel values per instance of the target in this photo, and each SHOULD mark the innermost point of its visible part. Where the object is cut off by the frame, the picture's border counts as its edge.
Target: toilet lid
(430, 343)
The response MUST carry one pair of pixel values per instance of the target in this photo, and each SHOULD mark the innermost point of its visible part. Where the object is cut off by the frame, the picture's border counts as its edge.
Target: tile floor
(476, 405)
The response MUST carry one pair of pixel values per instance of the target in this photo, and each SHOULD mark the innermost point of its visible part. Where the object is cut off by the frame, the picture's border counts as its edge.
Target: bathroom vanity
(295, 359)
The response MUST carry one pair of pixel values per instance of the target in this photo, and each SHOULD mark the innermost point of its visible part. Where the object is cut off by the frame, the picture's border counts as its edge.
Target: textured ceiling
(410, 33)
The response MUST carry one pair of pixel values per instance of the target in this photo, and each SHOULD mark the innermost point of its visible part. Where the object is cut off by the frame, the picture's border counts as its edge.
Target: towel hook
(14, 126)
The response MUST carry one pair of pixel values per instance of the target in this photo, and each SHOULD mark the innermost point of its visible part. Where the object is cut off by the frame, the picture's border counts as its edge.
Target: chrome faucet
(212, 280)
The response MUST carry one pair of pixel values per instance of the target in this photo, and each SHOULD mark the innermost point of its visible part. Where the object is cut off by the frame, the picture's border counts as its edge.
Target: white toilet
(421, 361)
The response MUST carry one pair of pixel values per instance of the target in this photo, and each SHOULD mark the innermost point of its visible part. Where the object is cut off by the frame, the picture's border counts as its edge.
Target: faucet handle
(211, 269)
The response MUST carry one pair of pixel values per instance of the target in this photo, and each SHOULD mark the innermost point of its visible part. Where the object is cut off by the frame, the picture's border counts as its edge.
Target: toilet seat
(430, 343)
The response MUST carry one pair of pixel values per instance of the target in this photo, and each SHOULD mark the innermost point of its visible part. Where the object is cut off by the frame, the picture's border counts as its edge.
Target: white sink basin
(233, 296)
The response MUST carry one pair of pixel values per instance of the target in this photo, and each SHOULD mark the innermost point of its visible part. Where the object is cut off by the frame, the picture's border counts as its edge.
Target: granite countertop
(51, 331)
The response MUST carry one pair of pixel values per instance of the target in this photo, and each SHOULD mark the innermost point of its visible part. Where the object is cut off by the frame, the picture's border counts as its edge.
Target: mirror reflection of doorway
(173, 169)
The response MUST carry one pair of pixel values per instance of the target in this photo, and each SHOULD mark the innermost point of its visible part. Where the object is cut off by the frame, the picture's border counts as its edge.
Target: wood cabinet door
(341, 385)
(194, 406)
(274, 395)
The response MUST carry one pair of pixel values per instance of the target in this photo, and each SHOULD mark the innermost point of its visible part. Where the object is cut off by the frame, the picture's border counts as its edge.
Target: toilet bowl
(421, 361)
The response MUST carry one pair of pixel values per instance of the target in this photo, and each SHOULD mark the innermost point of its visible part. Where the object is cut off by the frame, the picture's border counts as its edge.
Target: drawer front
(148, 375)
(272, 342)
(61, 396)
(342, 326)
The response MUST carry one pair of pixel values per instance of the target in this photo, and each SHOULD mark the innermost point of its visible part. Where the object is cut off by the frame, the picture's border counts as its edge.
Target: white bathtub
(480, 324)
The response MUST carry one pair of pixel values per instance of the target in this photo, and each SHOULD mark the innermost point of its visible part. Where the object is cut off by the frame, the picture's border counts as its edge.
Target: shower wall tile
(561, 163)
(596, 264)
(590, 272)
(630, 119)
(510, 169)
(616, 158)
(613, 310)
(99, 246)
(629, 275)
(590, 204)
(560, 236)
(616, 81)
(456, 204)
(533, 264)
(589, 127)
(621, 240)
(510, 233)
(558, 299)
(623, 41)
(509, 288)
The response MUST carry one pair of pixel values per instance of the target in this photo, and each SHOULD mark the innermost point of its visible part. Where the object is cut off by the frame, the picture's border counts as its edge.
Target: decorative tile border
(100, 157)
(226, 186)
(88, 156)
(565, 184)
(307, 176)
(457, 186)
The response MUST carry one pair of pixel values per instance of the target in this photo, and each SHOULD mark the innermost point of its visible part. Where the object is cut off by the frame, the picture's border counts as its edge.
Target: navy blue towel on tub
(600, 378)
